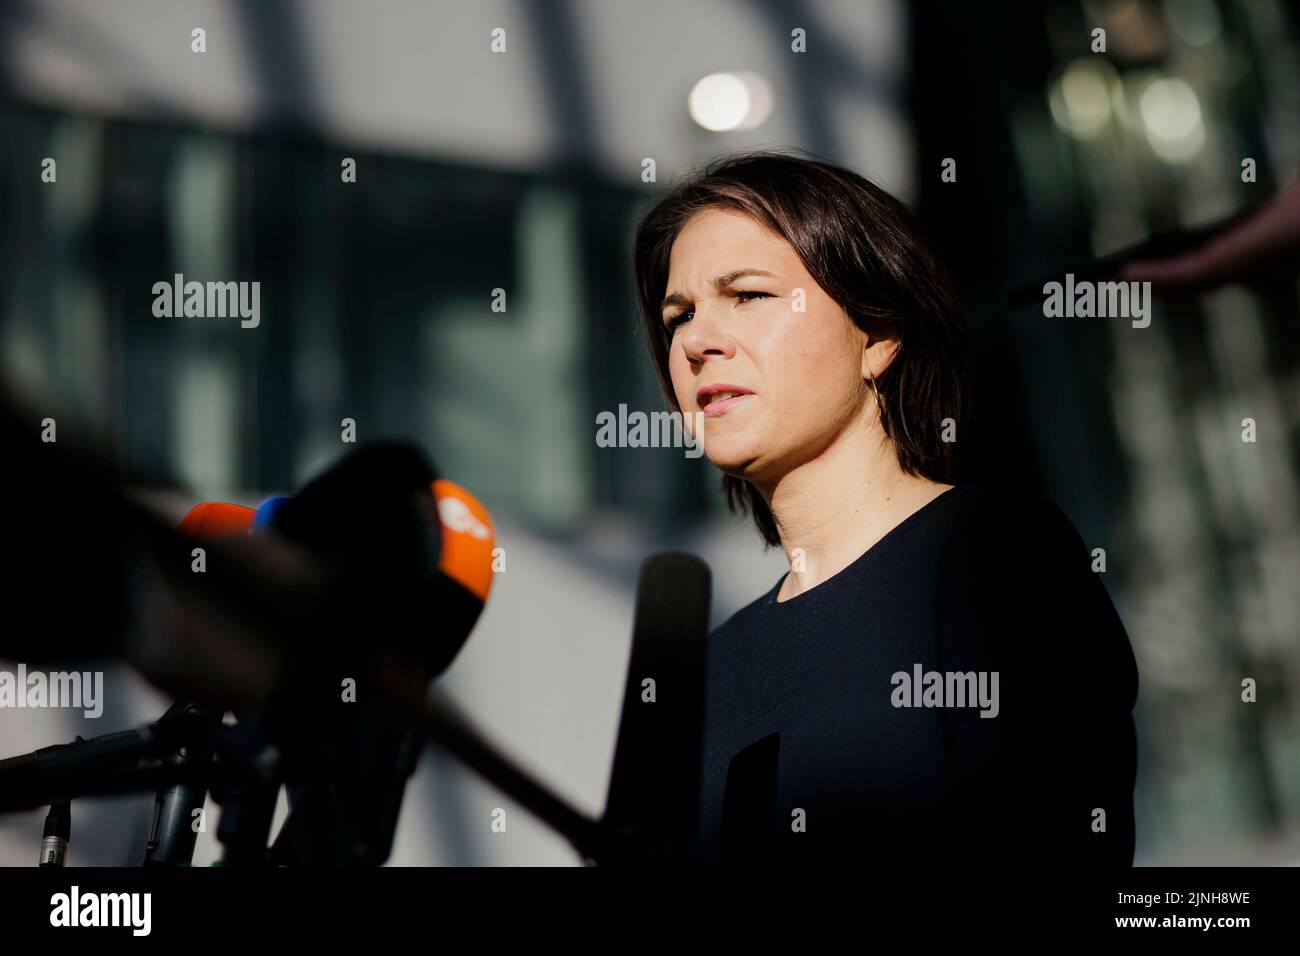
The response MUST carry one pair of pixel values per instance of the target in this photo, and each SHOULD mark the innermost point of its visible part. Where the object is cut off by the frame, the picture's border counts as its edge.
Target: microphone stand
(114, 763)
(172, 834)
(244, 766)
(248, 769)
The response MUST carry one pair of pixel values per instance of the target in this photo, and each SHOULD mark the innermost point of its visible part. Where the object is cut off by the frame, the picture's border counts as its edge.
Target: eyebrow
(718, 282)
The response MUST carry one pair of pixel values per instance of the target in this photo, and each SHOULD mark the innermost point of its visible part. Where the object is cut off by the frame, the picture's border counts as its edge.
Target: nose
(706, 337)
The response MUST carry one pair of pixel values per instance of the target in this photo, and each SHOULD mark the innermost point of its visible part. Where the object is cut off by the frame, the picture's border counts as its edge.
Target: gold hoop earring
(880, 407)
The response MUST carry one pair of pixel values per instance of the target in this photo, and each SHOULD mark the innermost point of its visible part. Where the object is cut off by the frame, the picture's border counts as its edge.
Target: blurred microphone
(652, 806)
(414, 549)
(413, 552)
(389, 578)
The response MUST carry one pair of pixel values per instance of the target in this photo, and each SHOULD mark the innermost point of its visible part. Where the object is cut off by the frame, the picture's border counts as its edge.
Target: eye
(744, 295)
(677, 320)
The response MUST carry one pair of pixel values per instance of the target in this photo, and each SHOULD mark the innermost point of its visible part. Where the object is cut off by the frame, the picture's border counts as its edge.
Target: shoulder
(1005, 503)
(992, 526)
(1013, 561)
(1018, 574)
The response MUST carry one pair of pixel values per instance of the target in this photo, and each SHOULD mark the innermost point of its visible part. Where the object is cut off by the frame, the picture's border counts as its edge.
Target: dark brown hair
(864, 248)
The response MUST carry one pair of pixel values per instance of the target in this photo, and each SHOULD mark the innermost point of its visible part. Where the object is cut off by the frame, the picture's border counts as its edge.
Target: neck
(833, 508)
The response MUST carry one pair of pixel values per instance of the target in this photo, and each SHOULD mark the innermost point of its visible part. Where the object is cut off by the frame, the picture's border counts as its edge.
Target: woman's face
(805, 369)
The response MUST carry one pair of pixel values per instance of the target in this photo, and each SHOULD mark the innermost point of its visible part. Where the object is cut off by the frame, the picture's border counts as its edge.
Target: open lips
(716, 399)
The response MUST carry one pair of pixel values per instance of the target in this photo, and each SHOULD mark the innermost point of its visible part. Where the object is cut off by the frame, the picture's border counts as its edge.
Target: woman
(939, 675)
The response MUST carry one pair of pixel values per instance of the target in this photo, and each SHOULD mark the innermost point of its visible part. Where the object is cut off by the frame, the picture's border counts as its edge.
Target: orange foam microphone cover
(468, 538)
(214, 519)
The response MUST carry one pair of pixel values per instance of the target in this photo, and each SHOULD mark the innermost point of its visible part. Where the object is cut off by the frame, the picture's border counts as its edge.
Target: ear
(877, 356)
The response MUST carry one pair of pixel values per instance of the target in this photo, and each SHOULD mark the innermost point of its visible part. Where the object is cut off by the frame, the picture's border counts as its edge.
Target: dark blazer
(846, 723)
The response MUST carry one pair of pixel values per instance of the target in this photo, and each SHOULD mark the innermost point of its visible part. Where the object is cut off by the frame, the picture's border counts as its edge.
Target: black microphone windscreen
(654, 783)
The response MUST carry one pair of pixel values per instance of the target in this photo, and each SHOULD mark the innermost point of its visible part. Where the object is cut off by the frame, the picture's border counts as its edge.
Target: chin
(739, 463)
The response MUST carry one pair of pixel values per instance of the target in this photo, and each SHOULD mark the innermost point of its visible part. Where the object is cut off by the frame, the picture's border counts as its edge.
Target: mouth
(718, 399)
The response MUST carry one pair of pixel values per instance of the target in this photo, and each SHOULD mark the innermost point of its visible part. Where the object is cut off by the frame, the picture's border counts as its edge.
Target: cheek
(810, 363)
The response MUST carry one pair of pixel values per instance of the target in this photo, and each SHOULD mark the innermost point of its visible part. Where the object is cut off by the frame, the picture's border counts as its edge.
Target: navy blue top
(845, 723)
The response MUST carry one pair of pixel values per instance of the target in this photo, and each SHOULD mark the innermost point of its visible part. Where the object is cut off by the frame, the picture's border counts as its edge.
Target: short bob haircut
(864, 248)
